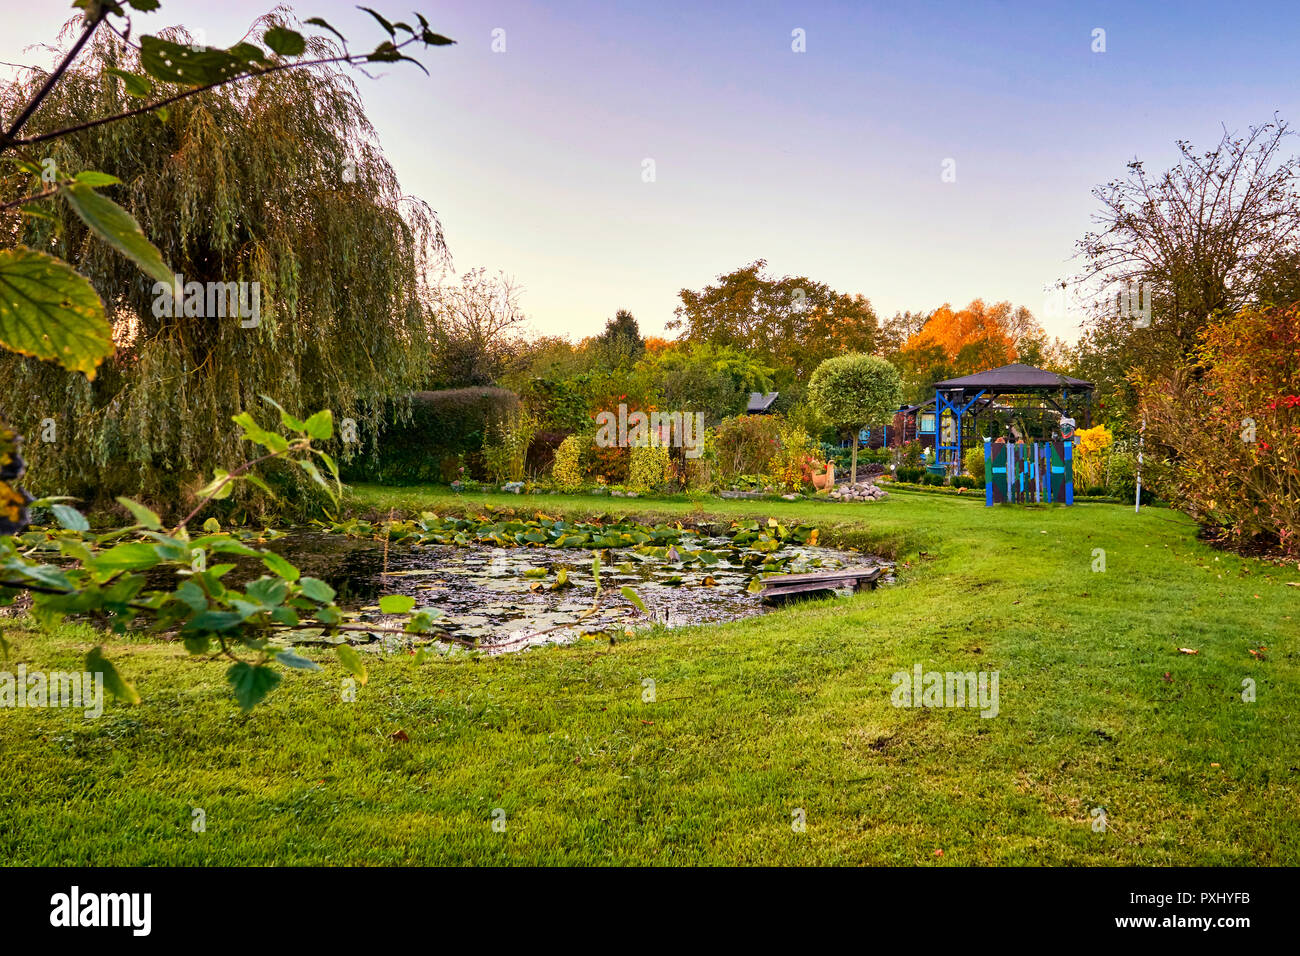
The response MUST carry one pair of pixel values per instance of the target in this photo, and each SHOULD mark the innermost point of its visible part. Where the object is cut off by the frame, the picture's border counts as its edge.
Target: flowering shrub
(1231, 424)
(792, 466)
(1090, 445)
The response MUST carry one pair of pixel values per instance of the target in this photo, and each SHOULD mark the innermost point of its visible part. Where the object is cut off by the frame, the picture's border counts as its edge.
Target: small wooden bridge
(780, 585)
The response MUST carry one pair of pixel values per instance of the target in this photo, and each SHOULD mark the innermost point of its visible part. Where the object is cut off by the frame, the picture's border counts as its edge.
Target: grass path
(752, 721)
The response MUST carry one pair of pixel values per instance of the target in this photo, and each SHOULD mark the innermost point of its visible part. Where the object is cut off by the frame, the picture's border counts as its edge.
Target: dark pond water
(501, 597)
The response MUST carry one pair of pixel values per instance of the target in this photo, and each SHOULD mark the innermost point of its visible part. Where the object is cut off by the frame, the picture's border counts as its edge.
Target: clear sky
(827, 163)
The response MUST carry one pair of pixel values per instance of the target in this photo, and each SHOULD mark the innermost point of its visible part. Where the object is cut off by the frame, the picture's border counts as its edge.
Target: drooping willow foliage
(277, 180)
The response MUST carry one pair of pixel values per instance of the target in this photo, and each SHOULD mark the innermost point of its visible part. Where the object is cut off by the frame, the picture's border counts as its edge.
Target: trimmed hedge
(442, 426)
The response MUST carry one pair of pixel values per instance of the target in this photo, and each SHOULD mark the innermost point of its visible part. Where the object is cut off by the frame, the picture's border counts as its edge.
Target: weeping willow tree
(278, 181)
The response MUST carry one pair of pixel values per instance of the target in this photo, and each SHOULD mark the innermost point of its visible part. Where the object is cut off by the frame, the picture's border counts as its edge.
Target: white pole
(1137, 499)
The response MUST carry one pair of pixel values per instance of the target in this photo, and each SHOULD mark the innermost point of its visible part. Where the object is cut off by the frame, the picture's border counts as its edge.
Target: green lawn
(753, 720)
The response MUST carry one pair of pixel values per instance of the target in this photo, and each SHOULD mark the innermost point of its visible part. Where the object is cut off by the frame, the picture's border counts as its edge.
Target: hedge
(442, 426)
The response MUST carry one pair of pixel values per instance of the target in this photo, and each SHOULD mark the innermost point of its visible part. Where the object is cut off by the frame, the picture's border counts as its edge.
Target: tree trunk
(853, 469)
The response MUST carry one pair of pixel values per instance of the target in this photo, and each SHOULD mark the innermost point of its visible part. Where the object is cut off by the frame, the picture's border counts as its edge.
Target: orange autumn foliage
(977, 336)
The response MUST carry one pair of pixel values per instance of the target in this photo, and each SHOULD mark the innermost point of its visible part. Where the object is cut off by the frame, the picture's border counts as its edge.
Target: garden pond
(504, 583)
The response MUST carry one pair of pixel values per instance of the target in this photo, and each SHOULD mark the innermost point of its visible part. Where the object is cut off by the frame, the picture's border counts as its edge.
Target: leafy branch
(104, 575)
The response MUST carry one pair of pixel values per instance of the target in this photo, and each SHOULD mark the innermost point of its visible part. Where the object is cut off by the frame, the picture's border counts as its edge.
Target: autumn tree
(1216, 232)
(977, 337)
(791, 323)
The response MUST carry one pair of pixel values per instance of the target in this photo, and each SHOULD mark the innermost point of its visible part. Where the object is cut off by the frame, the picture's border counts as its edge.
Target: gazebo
(958, 402)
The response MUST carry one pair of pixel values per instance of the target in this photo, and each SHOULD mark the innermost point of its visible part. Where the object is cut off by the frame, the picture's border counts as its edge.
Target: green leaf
(317, 590)
(170, 62)
(142, 515)
(434, 39)
(285, 42)
(96, 663)
(396, 603)
(119, 229)
(134, 84)
(50, 312)
(131, 556)
(91, 178)
(251, 683)
(281, 567)
(635, 598)
(290, 659)
(254, 432)
(191, 594)
(249, 53)
(197, 643)
(25, 165)
(214, 621)
(33, 210)
(211, 526)
(268, 591)
(218, 488)
(287, 420)
(320, 425)
(382, 22)
(351, 661)
(70, 518)
(319, 22)
(310, 467)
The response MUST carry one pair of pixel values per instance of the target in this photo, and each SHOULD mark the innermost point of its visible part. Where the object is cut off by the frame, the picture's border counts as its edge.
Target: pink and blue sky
(826, 163)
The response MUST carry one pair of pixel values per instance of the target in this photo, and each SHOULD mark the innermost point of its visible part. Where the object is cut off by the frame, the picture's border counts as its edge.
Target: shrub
(746, 444)
(792, 464)
(910, 475)
(699, 473)
(1231, 424)
(506, 448)
(1090, 446)
(608, 463)
(567, 470)
(973, 462)
(912, 453)
(1121, 473)
(558, 405)
(648, 466)
(963, 481)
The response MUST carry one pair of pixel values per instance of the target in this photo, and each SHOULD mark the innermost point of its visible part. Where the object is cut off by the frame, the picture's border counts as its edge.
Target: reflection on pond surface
(500, 597)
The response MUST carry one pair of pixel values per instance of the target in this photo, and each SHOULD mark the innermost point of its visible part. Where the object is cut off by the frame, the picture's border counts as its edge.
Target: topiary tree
(854, 391)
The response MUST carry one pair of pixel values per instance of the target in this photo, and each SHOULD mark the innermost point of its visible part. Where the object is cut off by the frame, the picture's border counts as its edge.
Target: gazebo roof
(1015, 377)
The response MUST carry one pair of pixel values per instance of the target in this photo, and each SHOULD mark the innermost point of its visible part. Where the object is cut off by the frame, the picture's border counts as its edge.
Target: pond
(509, 598)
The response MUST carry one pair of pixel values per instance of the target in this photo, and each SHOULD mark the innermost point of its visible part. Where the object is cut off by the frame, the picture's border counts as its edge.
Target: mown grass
(752, 720)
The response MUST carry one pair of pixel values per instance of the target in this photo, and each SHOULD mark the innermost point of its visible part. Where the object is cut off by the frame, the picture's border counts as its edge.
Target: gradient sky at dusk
(826, 163)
